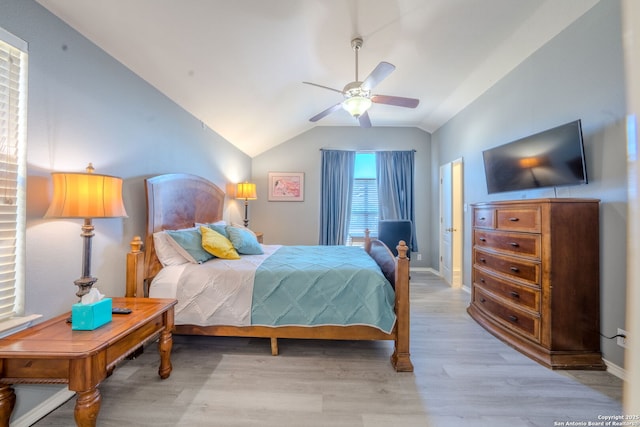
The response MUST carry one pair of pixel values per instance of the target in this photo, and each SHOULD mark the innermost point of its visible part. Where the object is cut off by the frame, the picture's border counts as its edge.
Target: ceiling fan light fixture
(357, 94)
(356, 105)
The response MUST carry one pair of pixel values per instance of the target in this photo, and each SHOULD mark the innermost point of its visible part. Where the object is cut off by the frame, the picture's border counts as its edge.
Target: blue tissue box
(87, 317)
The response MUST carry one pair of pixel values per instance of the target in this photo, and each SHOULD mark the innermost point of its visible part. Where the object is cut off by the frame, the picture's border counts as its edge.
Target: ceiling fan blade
(377, 75)
(398, 101)
(326, 112)
(364, 120)
(324, 87)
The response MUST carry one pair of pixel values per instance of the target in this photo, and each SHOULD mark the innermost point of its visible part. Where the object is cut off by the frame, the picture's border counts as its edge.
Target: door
(451, 220)
(446, 223)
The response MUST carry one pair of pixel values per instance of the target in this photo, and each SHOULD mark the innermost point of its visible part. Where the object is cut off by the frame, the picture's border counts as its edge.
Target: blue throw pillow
(244, 241)
(189, 244)
(220, 227)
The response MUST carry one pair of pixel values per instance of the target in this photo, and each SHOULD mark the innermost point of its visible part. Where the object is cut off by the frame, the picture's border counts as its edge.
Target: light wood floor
(463, 377)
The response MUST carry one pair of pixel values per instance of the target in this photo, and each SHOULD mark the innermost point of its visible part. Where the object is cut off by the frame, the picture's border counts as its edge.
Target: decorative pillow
(189, 243)
(233, 224)
(221, 222)
(244, 241)
(219, 226)
(217, 245)
(165, 251)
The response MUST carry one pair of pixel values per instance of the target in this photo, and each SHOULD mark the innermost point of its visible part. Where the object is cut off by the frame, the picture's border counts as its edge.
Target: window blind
(12, 183)
(364, 209)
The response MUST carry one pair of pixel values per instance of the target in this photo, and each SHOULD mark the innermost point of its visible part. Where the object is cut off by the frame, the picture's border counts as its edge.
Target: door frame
(456, 195)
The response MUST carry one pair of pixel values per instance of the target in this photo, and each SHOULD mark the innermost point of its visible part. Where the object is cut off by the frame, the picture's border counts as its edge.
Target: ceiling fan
(357, 94)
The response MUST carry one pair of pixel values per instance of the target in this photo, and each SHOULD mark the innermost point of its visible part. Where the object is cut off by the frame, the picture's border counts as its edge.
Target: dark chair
(391, 231)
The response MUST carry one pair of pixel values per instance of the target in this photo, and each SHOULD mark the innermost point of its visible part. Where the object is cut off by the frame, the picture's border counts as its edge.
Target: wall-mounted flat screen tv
(551, 158)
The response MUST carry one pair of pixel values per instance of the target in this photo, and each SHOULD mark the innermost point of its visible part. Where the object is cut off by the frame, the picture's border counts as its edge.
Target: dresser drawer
(525, 323)
(520, 295)
(522, 244)
(519, 219)
(484, 217)
(510, 266)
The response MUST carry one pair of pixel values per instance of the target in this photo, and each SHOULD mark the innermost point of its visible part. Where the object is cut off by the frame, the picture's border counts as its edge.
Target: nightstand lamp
(246, 191)
(86, 195)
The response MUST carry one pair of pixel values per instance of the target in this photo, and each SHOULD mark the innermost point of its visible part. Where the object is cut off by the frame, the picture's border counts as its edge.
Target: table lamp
(86, 195)
(246, 191)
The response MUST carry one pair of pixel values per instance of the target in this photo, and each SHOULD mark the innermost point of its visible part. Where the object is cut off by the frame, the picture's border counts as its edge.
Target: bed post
(135, 269)
(367, 240)
(400, 359)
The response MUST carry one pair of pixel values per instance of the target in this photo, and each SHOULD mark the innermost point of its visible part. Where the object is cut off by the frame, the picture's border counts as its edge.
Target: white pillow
(165, 250)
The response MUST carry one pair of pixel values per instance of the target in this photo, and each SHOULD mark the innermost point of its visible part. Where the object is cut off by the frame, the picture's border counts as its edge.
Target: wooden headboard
(176, 201)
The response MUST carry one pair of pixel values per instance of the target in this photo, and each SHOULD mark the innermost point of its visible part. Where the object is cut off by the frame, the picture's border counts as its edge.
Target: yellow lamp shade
(246, 191)
(86, 195)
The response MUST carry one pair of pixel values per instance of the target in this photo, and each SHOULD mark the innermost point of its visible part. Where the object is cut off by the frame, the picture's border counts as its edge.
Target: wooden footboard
(401, 357)
(395, 269)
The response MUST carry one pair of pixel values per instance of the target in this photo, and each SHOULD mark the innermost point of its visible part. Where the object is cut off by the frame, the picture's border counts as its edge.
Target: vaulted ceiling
(238, 66)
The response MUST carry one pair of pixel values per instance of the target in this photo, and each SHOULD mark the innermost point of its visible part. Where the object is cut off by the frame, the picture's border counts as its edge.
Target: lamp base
(246, 214)
(84, 285)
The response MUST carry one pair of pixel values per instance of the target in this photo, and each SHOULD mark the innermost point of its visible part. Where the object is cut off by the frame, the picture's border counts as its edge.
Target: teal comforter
(322, 285)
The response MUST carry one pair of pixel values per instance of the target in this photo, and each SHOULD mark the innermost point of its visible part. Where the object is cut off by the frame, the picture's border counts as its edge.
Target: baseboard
(43, 408)
(428, 269)
(616, 370)
(464, 287)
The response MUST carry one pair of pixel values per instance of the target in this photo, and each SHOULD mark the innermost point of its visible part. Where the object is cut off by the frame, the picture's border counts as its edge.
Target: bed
(184, 201)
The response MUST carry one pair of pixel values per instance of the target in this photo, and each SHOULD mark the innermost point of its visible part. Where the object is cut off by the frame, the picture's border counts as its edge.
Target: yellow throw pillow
(217, 245)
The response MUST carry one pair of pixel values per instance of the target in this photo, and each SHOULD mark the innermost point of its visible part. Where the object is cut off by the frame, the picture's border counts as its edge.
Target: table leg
(87, 407)
(164, 346)
(7, 402)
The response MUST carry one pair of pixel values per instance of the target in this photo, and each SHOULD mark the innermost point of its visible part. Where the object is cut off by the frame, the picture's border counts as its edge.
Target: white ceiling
(238, 66)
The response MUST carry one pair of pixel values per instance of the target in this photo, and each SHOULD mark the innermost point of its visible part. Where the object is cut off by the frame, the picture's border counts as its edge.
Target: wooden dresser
(536, 278)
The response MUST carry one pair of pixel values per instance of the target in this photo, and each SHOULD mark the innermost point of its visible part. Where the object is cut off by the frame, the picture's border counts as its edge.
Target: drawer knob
(483, 300)
(514, 219)
(482, 279)
(483, 260)
(515, 294)
(514, 244)
(514, 269)
(482, 239)
(482, 218)
(513, 318)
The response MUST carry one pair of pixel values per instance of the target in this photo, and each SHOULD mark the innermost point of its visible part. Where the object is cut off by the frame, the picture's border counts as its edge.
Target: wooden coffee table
(51, 353)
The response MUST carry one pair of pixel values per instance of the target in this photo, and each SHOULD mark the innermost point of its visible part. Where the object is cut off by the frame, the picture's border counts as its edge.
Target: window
(364, 200)
(13, 70)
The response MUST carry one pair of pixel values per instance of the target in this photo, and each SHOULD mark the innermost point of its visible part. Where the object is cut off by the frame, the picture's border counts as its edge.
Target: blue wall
(579, 74)
(84, 106)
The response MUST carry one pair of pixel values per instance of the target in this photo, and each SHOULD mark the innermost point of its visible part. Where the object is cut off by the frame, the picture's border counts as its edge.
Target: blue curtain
(395, 170)
(335, 195)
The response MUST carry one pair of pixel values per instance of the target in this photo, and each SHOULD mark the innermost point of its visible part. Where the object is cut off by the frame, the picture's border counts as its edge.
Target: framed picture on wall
(286, 186)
